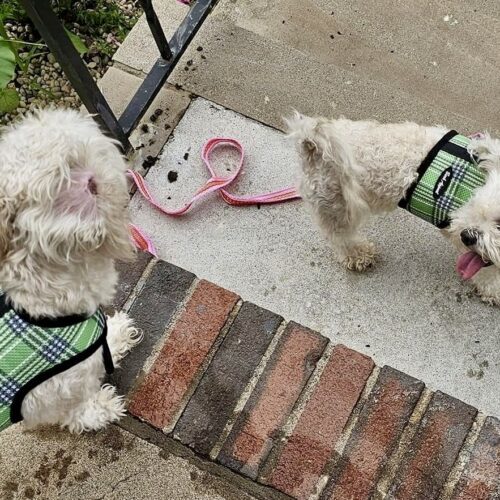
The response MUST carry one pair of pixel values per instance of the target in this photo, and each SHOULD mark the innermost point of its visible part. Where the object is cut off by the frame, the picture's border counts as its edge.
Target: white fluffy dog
(353, 169)
(63, 222)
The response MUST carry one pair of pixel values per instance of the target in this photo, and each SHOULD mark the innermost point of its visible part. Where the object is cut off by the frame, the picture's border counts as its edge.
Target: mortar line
(155, 351)
(247, 392)
(346, 432)
(389, 471)
(140, 284)
(204, 366)
(286, 431)
(129, 69)
(462, 458)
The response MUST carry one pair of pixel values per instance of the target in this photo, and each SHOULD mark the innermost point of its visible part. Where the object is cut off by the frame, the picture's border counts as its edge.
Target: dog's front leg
(106, 406)
(487, 284)
(74, 399)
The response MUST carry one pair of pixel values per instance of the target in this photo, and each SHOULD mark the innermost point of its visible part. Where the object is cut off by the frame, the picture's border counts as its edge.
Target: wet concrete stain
(267, 292)
(29, 492)
(9, 489)
(478, 371)
(57, 467)
(113, 439)
(82, 476)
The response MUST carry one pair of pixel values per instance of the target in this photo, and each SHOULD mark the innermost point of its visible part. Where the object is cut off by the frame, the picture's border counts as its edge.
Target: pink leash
(213, 184)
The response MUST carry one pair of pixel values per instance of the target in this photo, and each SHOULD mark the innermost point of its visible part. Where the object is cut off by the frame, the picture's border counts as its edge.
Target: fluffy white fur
(353, 169)
(63, 221)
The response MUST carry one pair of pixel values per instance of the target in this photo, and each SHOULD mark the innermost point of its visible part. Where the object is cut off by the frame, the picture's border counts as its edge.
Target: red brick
(434, 449)
(375, 436)
(162, 393)
(286, 374)
(481, 477)
(300, 463)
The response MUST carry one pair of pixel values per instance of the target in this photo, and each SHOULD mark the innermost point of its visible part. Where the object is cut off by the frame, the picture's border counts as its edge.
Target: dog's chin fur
(353, 169)
(63, 222)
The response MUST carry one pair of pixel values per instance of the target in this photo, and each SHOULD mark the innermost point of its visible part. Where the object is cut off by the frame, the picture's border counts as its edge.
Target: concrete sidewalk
(112, 465)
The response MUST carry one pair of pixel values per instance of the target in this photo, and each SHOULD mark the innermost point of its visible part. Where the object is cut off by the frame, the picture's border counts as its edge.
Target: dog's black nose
(468, 237)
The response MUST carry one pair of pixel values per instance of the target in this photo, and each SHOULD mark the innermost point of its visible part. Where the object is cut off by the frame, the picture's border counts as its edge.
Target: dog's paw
(487, 298)
(111, 405)
(487, 285)
(104, 408)
(122, 335)
(361, 257)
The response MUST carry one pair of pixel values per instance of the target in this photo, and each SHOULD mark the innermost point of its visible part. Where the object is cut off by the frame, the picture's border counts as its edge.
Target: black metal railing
(56, 38)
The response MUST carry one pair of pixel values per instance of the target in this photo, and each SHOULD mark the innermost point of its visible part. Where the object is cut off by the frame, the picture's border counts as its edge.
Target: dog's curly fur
(63, 222)
(353, 169)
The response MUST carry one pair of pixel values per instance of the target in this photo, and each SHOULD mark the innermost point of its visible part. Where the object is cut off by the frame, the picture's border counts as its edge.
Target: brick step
(277, 403)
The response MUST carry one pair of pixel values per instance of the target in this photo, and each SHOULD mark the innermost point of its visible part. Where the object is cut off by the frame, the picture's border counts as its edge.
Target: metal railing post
(54, 35)
(59, 43)
(156, 29)
(163, 68)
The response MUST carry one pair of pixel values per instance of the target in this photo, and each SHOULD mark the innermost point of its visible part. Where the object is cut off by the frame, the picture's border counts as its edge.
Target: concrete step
(422, 61)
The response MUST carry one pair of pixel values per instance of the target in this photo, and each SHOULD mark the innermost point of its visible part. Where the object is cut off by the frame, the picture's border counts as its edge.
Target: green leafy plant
(9, 58)
(78, 43)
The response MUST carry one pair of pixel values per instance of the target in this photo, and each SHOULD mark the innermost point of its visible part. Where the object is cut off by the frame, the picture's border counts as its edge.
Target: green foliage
(7, 63)
(63, 4)
(95, 17)
(9, 100)
(9, 56)
(11, 10)
(106, 17)
(10, 53)
(78, 43)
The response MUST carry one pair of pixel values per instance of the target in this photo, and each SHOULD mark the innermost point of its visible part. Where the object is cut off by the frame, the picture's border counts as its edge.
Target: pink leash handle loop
(213, 184)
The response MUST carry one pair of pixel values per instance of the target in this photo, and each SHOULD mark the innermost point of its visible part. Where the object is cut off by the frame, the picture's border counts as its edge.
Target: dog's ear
(79, 195)
(7, 213)
(487, 150)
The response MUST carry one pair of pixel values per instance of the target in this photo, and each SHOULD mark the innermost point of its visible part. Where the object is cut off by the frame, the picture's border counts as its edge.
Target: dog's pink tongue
(468, 264)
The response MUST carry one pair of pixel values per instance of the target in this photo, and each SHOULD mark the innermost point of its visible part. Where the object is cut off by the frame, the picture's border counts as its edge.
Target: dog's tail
(316, 143)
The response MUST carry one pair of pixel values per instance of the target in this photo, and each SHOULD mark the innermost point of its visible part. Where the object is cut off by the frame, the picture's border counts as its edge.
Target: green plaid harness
(32, 351)
(446, 180)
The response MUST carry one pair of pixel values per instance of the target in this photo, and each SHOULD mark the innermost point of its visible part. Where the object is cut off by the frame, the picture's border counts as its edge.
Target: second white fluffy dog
(353, 169)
